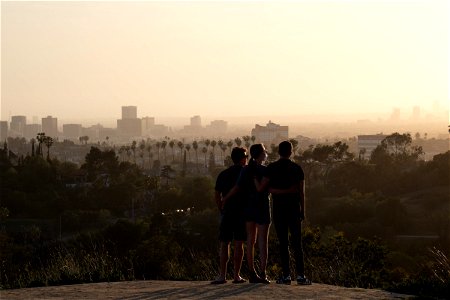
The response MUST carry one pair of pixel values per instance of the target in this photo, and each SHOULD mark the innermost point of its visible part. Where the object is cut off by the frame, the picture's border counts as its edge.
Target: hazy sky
(87, 59)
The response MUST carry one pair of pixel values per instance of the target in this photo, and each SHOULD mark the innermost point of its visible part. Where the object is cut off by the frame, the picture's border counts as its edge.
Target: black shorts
(232, 227)
(258, 211)
(259, 215)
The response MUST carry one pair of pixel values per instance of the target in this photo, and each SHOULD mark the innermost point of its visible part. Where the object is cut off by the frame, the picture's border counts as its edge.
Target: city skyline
(433, 113)
(222, 60)
(131, 125)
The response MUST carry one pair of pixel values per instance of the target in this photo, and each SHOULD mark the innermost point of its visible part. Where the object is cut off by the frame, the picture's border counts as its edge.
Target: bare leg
(251, 240)
(224, 257)
(238, 256)
(263, 241)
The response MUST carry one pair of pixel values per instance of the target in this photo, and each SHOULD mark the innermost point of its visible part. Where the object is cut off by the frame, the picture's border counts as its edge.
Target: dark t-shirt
(246, 180)
(257, 203)
(283, 174)
(226, 180)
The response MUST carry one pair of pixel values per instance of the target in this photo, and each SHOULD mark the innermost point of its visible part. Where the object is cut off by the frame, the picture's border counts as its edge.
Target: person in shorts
(257, 212)
(232, 223)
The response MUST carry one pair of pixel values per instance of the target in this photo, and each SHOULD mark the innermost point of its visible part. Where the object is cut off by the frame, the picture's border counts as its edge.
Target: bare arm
(230, 194)
(218, 199)
(302, 199)
(291, 190)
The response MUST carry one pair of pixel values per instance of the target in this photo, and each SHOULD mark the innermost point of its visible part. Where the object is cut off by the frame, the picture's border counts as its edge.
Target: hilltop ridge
(153, 289)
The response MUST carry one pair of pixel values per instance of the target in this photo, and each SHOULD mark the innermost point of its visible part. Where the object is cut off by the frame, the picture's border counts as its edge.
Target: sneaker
(265, 280)
(253, 278)
(302, 280)
(284, 280)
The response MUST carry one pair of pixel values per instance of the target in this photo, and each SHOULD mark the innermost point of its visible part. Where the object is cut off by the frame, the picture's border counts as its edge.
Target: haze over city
(244, 62)
(225, 149)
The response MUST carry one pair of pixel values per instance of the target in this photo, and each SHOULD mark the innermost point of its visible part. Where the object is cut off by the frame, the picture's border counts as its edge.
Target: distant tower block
(196, 121)
(129, 112)
(50, 126)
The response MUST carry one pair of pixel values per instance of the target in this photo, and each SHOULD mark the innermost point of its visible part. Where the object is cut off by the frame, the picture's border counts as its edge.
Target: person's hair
(255, 152)
(237, 154)
(285, 149)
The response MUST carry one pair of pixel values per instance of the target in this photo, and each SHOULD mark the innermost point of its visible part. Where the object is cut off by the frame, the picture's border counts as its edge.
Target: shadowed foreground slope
(195, 290)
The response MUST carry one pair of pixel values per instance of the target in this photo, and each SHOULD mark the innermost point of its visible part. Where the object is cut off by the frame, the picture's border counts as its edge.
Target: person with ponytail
(257, 211)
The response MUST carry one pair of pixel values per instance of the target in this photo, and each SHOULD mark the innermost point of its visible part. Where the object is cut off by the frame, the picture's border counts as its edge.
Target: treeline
(109, 220)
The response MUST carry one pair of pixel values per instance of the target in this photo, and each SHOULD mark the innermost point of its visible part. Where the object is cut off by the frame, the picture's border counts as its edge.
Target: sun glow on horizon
(72, 59)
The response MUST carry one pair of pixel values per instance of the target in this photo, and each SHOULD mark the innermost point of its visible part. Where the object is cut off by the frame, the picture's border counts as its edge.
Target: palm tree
(142, 145)
(133, 148)
(246, 139)
(150, 155)
(48, 141)
(195, 147)
(163, 146)
(32, 141)
(141, 152)
(171, 145)
(238, 141)
(223, 148)
(141, 155)
(205, 151)
(121, 151)
(207, 142)
(158, 146)
(84, 139)
(40, 137)
(188, 148)
(220, 143)
(127, 149)
(253, 138)
(181, 146)
(213, 145)
(230, 145)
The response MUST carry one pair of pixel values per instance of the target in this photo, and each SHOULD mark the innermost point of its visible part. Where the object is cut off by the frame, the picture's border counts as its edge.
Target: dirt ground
(152, 289)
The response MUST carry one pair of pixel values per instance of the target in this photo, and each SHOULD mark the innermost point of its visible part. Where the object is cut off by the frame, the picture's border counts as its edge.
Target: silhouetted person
(257, 211)
(232, 224)
(286, 182)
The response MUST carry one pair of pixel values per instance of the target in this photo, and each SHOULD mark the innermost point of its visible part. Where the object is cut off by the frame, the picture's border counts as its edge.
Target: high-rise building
(195, 127)
(271, 133)
(196, 122)
(129, 127)
(72, 131)
(106, 134)
(31, 130)
(217, 127)
(50, 126)
(17, 125)
(3, 131)
(129, 112)
(147, 124)
(159, 130)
